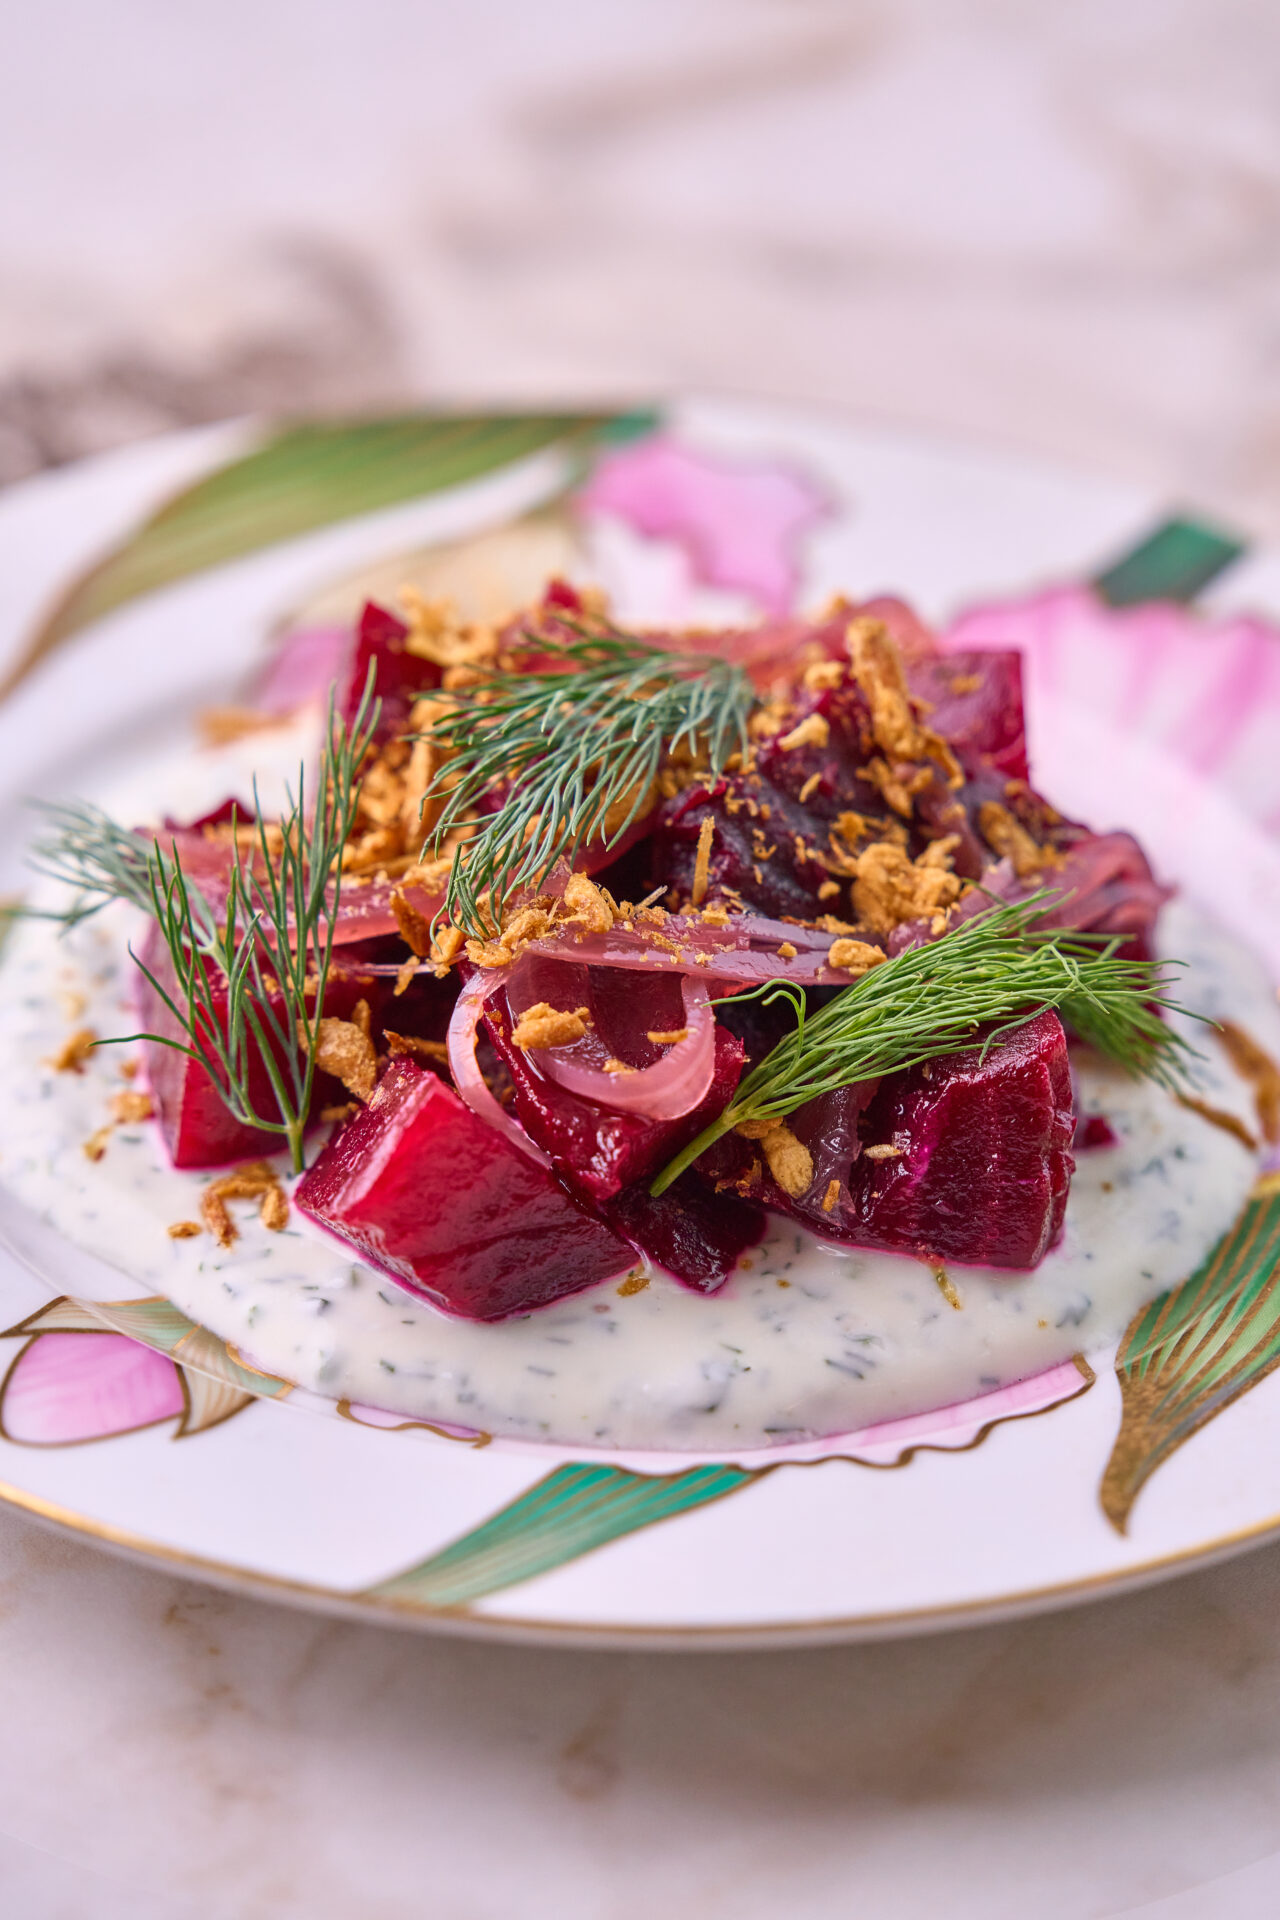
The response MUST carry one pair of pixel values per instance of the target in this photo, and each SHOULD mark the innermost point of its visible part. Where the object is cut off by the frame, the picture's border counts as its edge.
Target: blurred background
(1055, 227)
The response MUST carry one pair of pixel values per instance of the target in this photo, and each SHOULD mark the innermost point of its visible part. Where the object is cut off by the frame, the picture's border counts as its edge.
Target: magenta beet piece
(694, 1232)
(229, 811)
(596, 1150)
(975, 703)
(770, 847)
(1095, 1130)
(438, 1200)
(985, 1162)
(401, 676)
(198, 1130)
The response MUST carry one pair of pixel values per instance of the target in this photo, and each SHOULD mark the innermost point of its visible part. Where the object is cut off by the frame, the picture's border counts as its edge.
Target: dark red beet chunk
(770, 847)
(198, 1131)
(694, 1232)
(986, 1162)
(437, 1199)
(1095, 1130)
(975, 703)
(983, 1164)
(596, 1150)
(400, 676)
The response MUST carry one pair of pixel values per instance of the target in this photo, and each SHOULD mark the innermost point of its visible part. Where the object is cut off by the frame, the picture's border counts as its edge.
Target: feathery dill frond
(571, 756)
(1003, 967)
(268, 955)
(87, 850)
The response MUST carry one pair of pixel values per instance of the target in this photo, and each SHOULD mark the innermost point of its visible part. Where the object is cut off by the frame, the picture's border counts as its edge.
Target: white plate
(990, 1511)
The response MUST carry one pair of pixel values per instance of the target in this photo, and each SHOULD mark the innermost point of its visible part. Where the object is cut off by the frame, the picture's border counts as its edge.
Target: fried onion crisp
(253, 1180)
(74, 1051)
(217, 1218)
(1010, 839)
(415, 928)
(854, 956)
(273, 1209)
(347, 1052)
(877, 667)
(890, 887)
(546, 1026)
(813, 731)
(585, 901)
(789, 1160)
(702, 861)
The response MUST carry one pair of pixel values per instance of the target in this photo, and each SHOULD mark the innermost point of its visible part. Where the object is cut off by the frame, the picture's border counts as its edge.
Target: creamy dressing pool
(803, 1340)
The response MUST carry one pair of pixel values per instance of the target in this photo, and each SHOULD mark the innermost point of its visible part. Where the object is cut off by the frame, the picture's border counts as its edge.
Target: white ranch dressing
(803, 1340)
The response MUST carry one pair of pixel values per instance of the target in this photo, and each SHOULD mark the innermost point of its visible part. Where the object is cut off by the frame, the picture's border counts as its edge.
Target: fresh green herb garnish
(572, 756)
(91, 852)
(1004, 967)
(272, 941)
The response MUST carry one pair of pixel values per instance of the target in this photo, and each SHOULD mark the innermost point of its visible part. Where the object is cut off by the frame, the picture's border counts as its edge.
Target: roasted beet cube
(962, 1158)
(599, 1150)
(400, 676)
(692, 1231)
(771, 847)
(984, 1153)
(197, 1128)
(974, 700)
(446, 1206)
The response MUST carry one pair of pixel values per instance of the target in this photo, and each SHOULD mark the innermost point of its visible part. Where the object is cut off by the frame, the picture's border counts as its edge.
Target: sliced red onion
(674, 1085)
(467, 1077)
(744, 953)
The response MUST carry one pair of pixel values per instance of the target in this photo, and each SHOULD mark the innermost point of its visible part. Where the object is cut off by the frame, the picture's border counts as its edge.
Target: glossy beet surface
(609, 1157)
(986, 1154)
(440, 1201)
(399, 676)
(694, 1232)
(198, 1130)
(979, 1164)
(596, 1150)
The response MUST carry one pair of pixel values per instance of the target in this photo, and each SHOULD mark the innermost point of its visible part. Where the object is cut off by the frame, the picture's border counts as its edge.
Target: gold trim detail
(531, 1627)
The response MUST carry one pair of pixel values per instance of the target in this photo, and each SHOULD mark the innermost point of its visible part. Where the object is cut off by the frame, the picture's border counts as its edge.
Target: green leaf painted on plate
(1194, 1351)
(1175, 561)
(563, 1516)
(308, 476)
(156, 1322)
(209, 1402)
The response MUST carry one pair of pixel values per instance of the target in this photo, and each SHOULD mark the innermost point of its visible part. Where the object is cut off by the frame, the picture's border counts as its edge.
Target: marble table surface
(1055, 227)
(173, 1751)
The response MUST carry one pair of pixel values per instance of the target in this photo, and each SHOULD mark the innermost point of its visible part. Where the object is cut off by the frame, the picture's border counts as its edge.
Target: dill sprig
(87, 850)
(265, 954)
(1002, 967)
(571, 755)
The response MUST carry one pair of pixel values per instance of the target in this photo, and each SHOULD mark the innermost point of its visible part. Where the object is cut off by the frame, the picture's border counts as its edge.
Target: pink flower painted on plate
(741, 525)
(67, 1387)
(303, 668)
(1206, 690)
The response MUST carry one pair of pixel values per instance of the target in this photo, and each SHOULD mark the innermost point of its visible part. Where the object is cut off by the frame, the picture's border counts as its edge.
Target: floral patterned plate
(126, 608)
